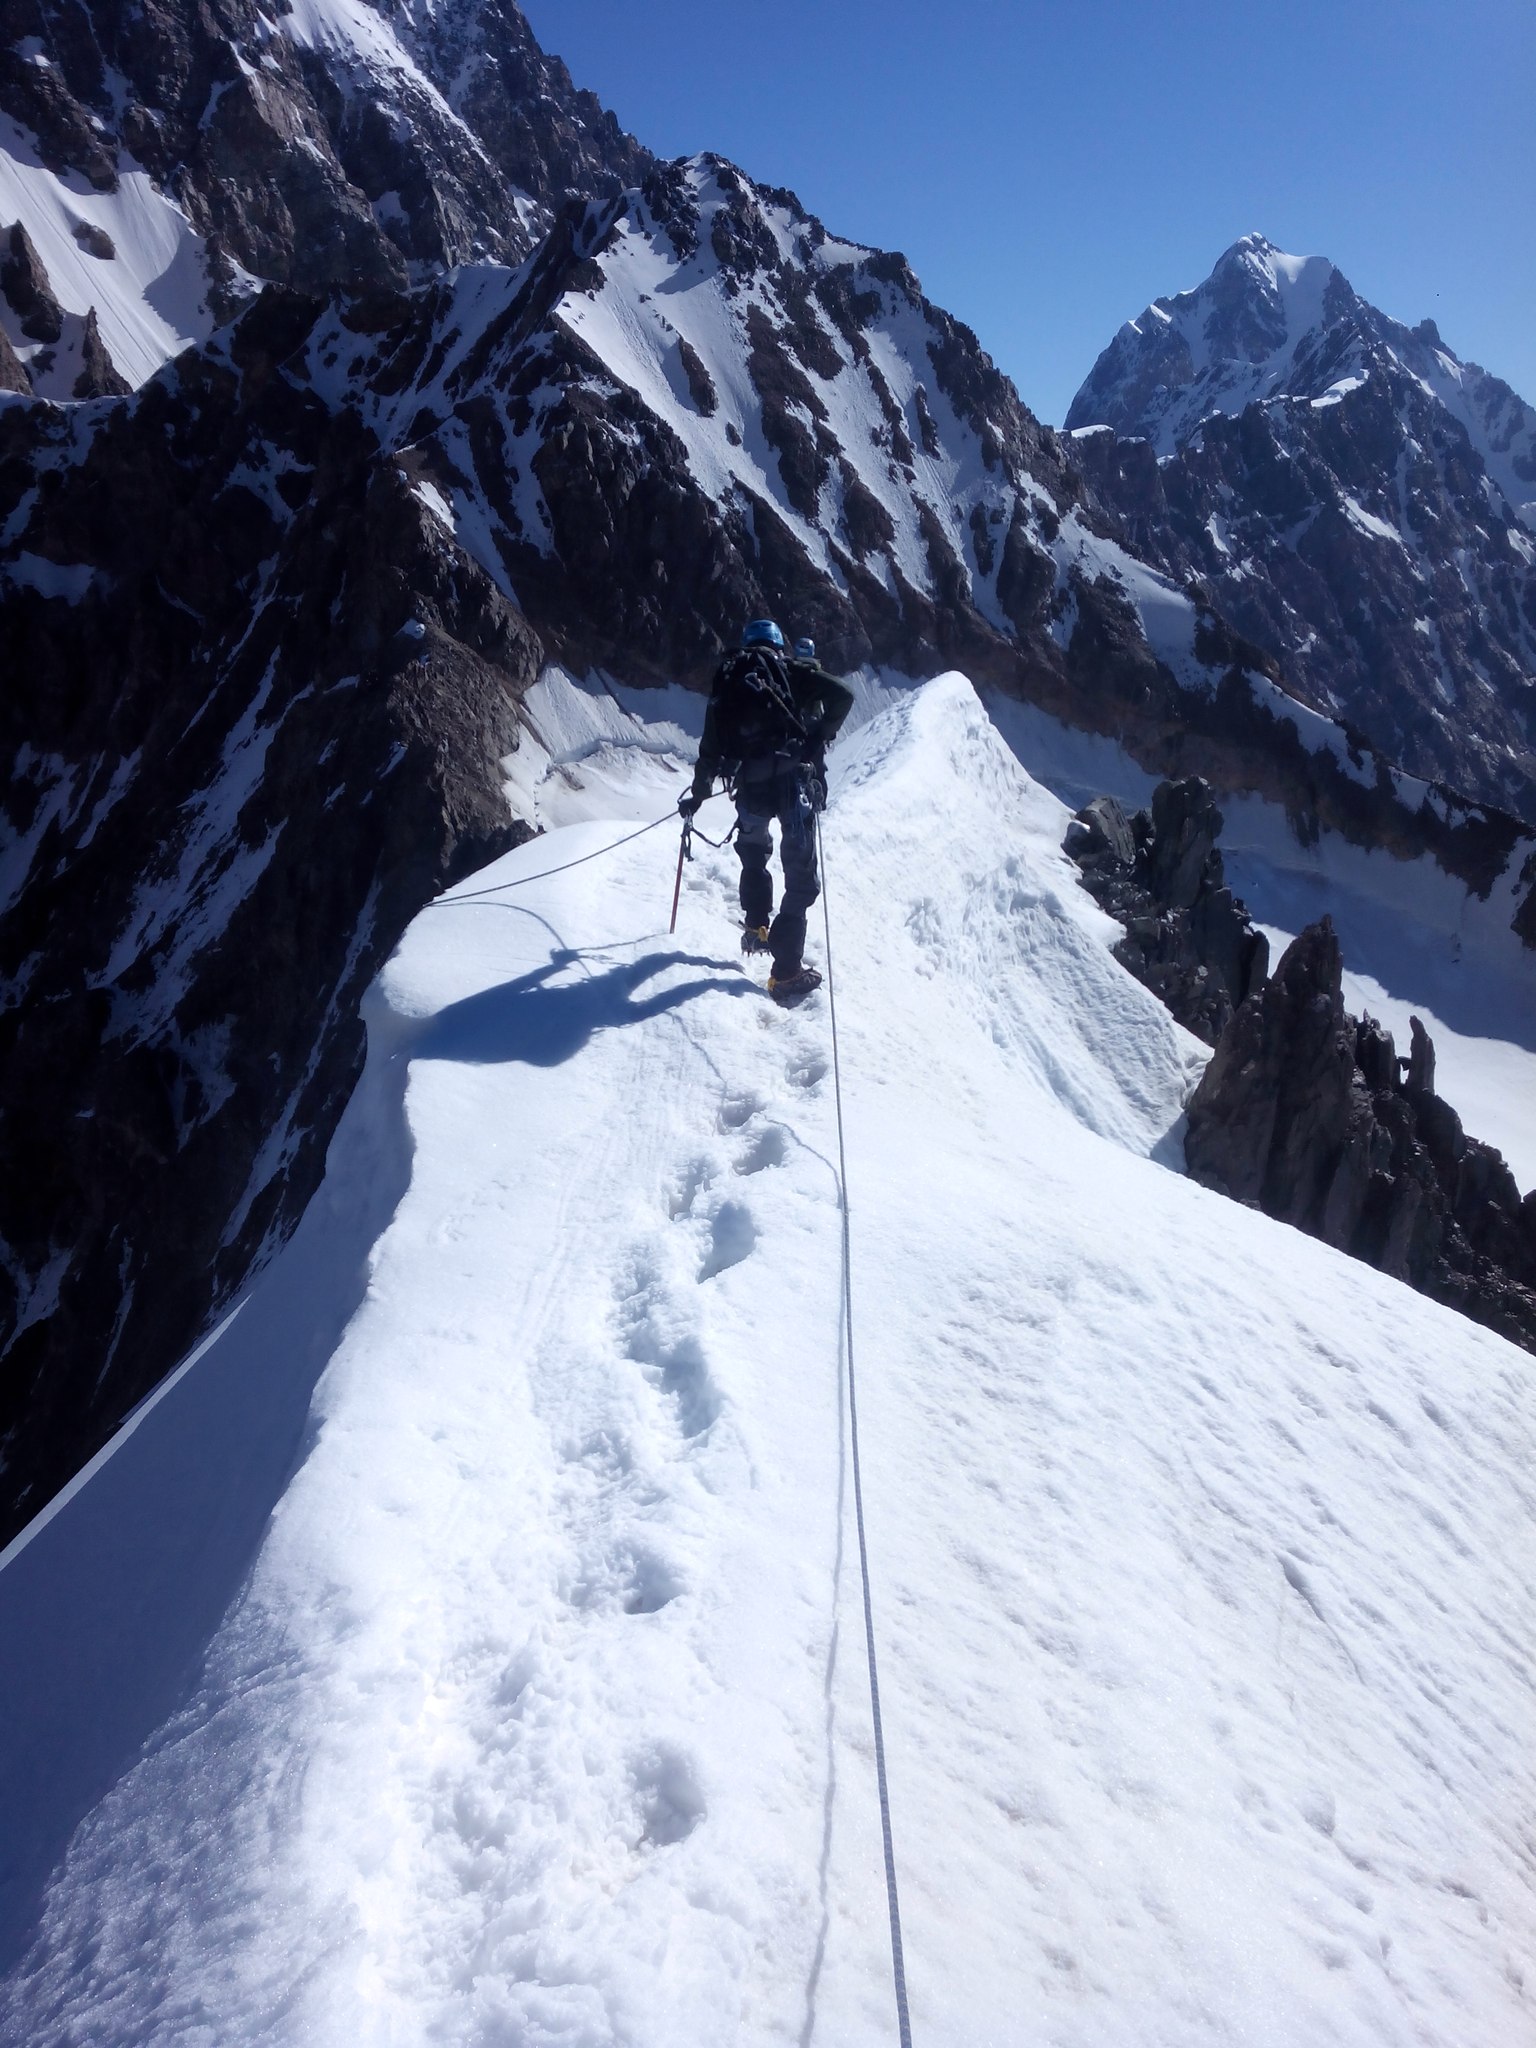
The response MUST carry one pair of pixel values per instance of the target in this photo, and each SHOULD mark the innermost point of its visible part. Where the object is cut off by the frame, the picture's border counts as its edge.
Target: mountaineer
(770, 718)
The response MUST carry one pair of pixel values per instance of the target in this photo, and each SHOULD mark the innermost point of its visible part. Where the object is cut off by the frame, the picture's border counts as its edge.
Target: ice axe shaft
(682, 855)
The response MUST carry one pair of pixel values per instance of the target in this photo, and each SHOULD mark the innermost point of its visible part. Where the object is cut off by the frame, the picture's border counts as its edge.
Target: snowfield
(536, 1711)
(149, 294)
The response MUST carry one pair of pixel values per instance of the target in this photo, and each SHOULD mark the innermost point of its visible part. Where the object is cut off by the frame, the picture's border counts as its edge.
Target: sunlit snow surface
(1201, 1554)
(149, 295)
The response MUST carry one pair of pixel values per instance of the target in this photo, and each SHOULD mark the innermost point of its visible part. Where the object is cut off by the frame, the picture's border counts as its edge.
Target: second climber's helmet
(762, 633)
(805, 650)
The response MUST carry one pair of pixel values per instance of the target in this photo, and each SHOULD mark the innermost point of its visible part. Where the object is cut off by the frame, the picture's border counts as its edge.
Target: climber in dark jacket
(770, 718)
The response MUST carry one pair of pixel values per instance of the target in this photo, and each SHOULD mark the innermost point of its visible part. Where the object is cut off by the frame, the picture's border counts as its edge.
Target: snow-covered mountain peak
(1267, 325)
(1264, 259)
(1357, 499)
(1261, 320)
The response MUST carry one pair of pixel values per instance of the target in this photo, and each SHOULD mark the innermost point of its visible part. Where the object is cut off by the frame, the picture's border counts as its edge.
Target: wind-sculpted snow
(1197, 1549)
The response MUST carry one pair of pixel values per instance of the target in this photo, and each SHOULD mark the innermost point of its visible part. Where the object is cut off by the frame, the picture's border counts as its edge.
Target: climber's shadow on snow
(546, 1016)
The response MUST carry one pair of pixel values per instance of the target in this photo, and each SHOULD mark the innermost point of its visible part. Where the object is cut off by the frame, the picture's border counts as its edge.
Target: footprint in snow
(626, 1580)
(667, 1797)
(677, 1366)
(685, 1192)
(651, 1584)
(732, 1238)
(770, 1147)
(737, 1110)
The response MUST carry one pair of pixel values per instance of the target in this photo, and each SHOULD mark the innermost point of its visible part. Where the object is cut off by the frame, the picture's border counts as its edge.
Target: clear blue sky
(1048, 169)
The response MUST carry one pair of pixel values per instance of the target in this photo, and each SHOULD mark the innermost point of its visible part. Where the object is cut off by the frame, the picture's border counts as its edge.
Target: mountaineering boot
(795, 986)
(754, 938)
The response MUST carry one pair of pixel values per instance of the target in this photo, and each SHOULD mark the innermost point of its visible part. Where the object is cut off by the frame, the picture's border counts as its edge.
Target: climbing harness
(898, 1963)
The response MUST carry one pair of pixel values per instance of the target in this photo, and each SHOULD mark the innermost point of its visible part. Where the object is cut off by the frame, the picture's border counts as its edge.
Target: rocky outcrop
(257, 731)
(24, 281)
(1310, 1115)
(13, 371)
(1159, 872)
(98, 376)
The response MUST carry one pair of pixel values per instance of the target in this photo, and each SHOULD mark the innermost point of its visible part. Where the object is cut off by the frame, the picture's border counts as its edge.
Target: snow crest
(541, 1715)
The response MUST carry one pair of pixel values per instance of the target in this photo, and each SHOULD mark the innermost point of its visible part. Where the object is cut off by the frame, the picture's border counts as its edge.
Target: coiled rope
(898, 1963)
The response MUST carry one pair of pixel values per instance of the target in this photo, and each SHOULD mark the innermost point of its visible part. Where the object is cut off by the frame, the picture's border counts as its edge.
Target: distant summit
(1268, 325)
(1240, 336)
(1354, 497)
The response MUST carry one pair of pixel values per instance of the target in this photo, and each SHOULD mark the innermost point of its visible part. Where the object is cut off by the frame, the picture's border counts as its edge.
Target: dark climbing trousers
(758, 804)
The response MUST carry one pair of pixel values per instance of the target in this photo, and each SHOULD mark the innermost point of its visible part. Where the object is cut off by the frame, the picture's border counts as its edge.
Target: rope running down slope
(898, 1961)
(893, 1902)
(520, 881)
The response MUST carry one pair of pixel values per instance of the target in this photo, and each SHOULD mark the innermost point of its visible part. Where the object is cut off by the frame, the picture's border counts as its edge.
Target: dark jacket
(821, 704)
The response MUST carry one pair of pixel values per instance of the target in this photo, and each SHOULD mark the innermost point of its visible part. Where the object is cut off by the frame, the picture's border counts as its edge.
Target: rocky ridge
(1356, 500)
(1304, 1111)
(1311, 1115)
(1159, 873)
(258, 732)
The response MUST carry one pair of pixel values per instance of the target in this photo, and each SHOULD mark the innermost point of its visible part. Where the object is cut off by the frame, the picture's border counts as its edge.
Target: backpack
(755, 711)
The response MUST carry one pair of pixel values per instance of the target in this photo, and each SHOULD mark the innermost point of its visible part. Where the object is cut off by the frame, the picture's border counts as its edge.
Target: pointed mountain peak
(1238, 336)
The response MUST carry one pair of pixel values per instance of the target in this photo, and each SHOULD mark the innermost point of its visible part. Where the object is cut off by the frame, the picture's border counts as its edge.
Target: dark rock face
(1187, 937)
(24, 281)
(264, 726)
(1355, 500)
(320, 167)
(94, 241)
(1310, 1115)
(98, 378)
(13, 371)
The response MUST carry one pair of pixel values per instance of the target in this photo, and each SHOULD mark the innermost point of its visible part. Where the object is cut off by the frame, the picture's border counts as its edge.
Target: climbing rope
(893, 1902)
(898, 1964)
(521, 881)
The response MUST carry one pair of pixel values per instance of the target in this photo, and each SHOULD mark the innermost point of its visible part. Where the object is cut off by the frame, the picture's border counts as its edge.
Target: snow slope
(1201, 1554)
(150, 295)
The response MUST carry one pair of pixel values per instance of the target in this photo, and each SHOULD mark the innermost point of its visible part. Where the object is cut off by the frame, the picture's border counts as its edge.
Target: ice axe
(684, 852)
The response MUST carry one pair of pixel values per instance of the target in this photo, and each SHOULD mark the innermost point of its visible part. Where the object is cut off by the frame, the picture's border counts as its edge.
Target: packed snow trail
(1201, 1554)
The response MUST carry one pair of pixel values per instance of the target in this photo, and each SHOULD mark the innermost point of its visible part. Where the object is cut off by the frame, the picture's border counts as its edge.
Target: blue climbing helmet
(805, 650)
(762, 633)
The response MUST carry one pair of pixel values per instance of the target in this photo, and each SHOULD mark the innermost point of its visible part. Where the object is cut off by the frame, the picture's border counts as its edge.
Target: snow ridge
(1202, 1623)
